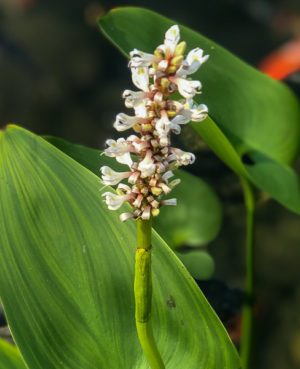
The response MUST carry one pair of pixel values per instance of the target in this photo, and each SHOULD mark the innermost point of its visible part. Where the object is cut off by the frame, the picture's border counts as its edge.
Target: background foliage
(52, 87)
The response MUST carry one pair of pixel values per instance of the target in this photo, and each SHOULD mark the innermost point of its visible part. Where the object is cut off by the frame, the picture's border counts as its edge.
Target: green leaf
(279, 180)
(197, 218)
(248, 110)
(10, 357)
(66, 273)
(199, 263)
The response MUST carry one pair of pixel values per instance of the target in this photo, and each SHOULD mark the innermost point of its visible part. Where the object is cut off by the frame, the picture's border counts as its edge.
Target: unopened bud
(172, 69)
(180, 48)
(147, 127)
(156, 191)
(177, 60)
(155, 212)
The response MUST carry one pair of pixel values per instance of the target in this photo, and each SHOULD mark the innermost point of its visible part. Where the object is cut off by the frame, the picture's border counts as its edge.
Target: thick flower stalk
(162, 106)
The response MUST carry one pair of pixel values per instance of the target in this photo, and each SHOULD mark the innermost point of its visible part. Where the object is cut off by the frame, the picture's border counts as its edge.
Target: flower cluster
(148, 153)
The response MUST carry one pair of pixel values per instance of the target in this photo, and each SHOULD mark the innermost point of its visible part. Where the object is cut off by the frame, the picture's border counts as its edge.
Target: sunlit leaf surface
(10, 357)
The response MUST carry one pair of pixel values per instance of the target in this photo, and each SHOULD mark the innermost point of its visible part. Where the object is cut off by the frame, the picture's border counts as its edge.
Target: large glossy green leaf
(66, 273)
(196, 220)
(248, 110)
(10, 357)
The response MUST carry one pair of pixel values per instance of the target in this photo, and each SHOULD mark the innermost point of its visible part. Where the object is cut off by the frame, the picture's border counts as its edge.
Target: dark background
(59, 76)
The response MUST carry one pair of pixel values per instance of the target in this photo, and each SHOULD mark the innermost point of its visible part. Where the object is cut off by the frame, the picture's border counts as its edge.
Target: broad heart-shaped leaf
(66, 273)
(195, 221)
(10, 357)
(248, 110)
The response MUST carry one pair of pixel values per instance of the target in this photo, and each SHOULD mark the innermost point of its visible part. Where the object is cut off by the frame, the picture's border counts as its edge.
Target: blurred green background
(59, 76)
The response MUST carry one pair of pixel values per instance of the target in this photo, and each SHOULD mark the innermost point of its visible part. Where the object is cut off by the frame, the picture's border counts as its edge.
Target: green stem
(247, 315)
(143, 295)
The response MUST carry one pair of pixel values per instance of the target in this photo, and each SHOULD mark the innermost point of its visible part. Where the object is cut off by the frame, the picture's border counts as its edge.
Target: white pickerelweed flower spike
(156, 116)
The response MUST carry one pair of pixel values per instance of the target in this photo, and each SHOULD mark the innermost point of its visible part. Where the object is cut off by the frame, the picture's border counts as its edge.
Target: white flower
(187, 88)
(192, 62)
(120, 150)
(141, 59)
(140, 110)
(171, 202)
(157, 113)
(126, 216)
(134, 98)
(196, 113)
(177, 121)
(162, 127)
(147, 166)
(124, 122)
(140, 78)
(111, 178)
(138, 201)
(172, 38)
(146, 213)
(190, 112)
(137, 143)
(113, 201)
(182, 157)
(166, 176)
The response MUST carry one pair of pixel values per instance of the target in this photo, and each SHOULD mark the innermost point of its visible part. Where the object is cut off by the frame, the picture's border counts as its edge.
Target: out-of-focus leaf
(279, 180)
(196, 220)
(66, 273)
(10, 357)
(199, 263)
(248, 110)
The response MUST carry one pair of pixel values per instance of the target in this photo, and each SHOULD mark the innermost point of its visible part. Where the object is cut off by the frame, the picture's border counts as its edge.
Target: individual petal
(147, 166)
(162, 127)
(140, 110)
(118, 147)
(188, 88)
(123, 188)
(141, 59)
(110, 177)
(192, 63)
(126, 216)
(163, 65)
(172, 38)
(166, 189)
(166, 176)
(124, 159)
(124, 122)
(134, 177)
(174, 183)
(120, 150)
(133, 98)
(138, 201)
(170, 202)
(113, 201)
(146, 213)
(140, 78)
(182, 118)
(183, 157)
(197, 112)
